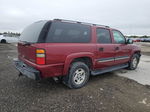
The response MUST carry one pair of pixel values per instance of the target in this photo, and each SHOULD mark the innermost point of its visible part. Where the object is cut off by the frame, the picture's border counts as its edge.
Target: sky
(131, 17)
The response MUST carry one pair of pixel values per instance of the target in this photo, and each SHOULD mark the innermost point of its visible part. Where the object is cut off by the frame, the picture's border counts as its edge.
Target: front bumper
(27, 70)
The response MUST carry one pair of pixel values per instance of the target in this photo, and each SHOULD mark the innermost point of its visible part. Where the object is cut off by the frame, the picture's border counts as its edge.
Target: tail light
(40, 56)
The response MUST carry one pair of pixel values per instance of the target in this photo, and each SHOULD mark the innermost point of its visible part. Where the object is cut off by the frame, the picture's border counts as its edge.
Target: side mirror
(129, 41)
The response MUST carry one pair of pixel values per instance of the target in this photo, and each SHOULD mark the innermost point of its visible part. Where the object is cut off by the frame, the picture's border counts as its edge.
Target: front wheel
(78, 75)
(134, 62)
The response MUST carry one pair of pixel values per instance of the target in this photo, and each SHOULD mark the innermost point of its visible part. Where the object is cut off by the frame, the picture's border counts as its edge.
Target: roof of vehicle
(77, 22)
(84, 23)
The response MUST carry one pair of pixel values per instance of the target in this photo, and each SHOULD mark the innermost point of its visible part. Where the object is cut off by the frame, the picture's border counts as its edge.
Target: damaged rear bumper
(26, 70)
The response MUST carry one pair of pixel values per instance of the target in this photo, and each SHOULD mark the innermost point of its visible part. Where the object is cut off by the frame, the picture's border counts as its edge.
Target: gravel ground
(104, 93)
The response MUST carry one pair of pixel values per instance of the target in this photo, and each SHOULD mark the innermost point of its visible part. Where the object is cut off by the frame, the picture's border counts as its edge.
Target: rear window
(32, 32)
(60, 32)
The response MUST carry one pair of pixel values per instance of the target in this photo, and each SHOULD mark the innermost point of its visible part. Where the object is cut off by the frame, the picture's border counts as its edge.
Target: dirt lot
(104, 93)
(145, 47)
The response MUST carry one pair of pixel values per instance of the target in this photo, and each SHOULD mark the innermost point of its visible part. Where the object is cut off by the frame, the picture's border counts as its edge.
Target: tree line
(16, 34)
(10, 34)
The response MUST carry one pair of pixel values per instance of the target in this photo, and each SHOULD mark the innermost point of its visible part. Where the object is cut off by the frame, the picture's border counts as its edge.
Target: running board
(109, 69)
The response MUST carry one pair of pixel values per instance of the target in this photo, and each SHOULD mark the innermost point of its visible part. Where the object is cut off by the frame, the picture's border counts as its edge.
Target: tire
(134, 62)
(78, 75)
(3, 41)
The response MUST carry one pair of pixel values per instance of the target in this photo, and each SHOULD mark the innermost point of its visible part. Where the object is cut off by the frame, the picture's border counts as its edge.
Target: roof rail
(70, 21)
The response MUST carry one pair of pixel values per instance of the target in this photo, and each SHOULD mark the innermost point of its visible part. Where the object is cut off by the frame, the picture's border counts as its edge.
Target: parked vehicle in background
(142, 39)
(146, 40)
(136, 39)
(72, 51)
(8, 39)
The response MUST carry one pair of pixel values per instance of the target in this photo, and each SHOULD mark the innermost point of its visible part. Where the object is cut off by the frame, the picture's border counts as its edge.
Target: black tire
(3, 41)
(79, 72)
(132, 65)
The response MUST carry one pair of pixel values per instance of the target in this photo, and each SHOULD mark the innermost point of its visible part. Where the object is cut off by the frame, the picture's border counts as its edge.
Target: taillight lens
(40, 56)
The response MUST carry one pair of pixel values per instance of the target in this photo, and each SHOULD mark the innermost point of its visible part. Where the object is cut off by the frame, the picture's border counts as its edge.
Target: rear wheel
(134, 62)
(3, 41)
(78, 75)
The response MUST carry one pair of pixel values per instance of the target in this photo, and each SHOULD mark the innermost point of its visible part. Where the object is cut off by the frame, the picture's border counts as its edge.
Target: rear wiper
(26, 43)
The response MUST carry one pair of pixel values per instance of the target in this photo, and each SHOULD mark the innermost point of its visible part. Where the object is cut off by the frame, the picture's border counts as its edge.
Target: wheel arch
(136, 52)
(3, 41)
(88, 58)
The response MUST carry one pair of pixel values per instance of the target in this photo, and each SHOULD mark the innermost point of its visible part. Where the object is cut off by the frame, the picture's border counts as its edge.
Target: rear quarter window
(32, 32)
(61, 32)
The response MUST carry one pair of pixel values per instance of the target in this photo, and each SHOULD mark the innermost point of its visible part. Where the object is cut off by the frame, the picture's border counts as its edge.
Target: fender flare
(135, 50)
(73, 56)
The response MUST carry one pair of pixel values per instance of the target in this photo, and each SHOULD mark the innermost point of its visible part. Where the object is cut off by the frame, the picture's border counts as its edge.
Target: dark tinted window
(103, 36)
(118, 37)
(32, 32)
(60, 32)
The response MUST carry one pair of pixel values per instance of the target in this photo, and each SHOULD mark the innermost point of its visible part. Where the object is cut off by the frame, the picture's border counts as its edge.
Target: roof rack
(70, 21)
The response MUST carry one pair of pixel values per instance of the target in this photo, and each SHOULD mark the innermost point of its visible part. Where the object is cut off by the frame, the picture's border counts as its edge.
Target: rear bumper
(27, 70)
(44, 71)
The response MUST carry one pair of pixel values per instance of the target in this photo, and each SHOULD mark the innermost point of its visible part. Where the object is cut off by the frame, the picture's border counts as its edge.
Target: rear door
(122, 50)
(105, 48)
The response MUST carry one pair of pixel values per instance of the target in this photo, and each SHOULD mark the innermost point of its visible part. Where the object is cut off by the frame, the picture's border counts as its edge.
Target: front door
(122, 51)
(105, 49)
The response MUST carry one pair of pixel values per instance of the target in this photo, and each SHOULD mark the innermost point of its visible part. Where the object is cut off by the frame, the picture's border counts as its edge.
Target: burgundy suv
(72, 51)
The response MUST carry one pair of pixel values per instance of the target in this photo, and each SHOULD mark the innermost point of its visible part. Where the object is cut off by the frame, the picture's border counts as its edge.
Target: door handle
(101, 49)
(117, 48)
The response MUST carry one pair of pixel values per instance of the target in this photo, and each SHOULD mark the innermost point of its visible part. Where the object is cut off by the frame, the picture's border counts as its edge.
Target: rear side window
(103, 36)
(60, 32)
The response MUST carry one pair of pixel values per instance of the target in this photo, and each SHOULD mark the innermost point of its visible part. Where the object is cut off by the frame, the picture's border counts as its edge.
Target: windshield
(32, 32)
